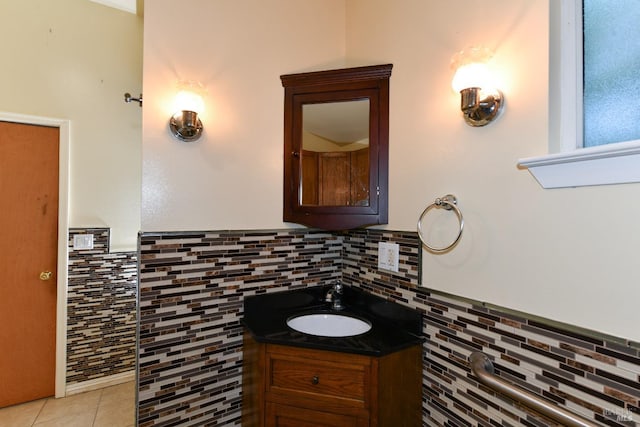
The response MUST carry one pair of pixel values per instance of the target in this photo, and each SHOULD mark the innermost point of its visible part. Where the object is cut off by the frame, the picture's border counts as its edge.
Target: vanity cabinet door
(289, 416)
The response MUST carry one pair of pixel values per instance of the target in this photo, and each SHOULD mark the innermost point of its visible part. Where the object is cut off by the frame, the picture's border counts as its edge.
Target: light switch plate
(82, 241)
(388, 256)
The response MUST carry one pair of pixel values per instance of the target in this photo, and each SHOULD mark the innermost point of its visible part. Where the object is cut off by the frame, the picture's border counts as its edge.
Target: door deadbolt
(45, 275)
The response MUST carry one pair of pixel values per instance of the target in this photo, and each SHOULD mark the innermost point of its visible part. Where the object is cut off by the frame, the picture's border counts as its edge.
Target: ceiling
(131, 6)
(340, 122)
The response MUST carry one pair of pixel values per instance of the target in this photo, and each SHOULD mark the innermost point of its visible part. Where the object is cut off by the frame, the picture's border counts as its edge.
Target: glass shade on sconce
(185, 124)
(480, 101)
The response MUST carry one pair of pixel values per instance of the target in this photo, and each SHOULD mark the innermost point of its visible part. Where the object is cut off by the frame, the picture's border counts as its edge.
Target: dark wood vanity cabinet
(288, 386)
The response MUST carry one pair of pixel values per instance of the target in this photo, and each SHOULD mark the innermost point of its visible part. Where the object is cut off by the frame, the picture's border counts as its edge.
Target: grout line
(95, 415)
(35, 420)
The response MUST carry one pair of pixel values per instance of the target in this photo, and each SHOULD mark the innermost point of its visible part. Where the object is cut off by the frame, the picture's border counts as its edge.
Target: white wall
(564, 254)
(232, 177)
(74, 59)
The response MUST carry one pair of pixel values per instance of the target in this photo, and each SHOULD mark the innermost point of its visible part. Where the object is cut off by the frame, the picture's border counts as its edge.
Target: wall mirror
(336, 145)
(335, 154)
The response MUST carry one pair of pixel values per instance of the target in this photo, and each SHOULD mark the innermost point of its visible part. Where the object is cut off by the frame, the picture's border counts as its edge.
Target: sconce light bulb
(472, 75)
(189, 101)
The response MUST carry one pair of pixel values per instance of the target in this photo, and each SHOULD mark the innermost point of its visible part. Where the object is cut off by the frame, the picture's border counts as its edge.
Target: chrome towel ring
(447, 202)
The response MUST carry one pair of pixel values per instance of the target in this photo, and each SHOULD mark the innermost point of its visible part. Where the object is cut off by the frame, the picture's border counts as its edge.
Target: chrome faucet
(334, 296)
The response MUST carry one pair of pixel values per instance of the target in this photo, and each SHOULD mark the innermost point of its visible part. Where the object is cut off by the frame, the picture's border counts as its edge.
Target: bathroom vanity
(291, 378)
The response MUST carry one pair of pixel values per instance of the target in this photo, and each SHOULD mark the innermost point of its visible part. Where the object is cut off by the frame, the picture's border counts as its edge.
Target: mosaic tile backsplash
(594, 377)
(101, 309)
(191, 291)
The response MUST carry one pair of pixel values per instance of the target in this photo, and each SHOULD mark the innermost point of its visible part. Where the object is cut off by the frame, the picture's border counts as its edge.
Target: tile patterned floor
(108, 407)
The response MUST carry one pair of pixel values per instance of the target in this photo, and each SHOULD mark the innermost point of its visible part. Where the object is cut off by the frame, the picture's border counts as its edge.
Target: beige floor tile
(79, 404)
(116, 414)
(22, 415)
(118, 393)
(109, 407)
(70, 420)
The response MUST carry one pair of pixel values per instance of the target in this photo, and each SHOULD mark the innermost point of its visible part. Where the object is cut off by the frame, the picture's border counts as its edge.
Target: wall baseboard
(99, 383)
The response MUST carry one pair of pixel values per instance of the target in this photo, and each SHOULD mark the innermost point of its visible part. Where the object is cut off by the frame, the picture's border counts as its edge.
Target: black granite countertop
(393, 326)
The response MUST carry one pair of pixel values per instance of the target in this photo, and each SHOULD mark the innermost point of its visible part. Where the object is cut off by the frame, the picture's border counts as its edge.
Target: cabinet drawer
(328, 377)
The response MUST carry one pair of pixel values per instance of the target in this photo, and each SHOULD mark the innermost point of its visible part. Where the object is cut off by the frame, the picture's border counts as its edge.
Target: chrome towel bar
(483, 369)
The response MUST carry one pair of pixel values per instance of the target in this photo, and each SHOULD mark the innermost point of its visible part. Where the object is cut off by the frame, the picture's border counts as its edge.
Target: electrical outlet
(388, 256)
(82, 241)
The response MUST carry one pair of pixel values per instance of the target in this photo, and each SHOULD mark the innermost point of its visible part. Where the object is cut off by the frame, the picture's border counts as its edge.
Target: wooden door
(360, 177)
(28, 250)
(310, 177)
(334, 174)
(290, 416)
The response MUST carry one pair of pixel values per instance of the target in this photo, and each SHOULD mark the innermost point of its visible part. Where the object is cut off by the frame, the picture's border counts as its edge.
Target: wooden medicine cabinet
(336, 147)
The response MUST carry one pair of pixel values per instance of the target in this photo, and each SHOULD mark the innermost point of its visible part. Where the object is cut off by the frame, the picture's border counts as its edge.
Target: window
(596, 138)
(611, 60)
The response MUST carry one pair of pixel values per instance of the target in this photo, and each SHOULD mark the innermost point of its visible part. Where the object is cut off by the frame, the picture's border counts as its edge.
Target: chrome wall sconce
(480, 101)
(185, 124)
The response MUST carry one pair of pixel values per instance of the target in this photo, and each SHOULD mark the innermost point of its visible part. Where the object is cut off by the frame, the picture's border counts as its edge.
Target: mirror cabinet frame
(347, 84)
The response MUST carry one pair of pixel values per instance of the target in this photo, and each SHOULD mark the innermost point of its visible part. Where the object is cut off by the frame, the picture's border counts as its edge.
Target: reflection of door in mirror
(335, 155)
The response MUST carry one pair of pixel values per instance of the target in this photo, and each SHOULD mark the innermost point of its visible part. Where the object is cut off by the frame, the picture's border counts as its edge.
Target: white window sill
(606, 164)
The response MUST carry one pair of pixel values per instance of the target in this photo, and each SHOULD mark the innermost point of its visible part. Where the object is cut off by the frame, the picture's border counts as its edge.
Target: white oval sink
(328, 325)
